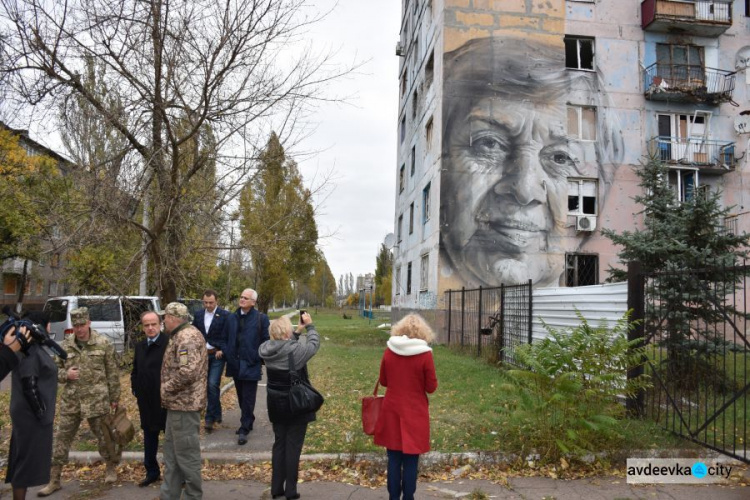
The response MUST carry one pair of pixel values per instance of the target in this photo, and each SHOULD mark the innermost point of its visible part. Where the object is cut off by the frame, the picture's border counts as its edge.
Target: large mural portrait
(511, 144)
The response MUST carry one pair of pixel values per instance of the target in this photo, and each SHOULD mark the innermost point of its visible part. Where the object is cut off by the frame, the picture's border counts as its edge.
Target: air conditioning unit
(399, 49)
(585, 223)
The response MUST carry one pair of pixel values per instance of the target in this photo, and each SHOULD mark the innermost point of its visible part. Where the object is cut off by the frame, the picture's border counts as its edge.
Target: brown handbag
(121, 429)
(371, 410)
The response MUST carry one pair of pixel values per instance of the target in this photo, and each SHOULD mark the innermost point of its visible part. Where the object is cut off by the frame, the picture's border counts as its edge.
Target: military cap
(79, 316)
(178, 310)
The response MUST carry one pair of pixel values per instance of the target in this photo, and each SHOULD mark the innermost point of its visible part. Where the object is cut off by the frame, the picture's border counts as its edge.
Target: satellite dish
(389, 241)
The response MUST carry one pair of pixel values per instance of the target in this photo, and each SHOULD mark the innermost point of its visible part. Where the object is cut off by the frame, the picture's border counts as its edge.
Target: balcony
(14, 266)
(710, 156)
(698, 18)
(687, 83)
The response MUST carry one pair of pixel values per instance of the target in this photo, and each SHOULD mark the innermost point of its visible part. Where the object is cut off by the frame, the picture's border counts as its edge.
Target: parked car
(193, 305)
(118, 318)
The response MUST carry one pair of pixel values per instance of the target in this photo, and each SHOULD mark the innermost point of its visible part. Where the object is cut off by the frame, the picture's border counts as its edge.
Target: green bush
(566, 404)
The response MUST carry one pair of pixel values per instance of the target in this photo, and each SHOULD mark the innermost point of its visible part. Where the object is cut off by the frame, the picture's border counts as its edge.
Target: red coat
(404, 421)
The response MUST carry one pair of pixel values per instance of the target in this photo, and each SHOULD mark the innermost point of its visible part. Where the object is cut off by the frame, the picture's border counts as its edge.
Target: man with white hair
(248, 331)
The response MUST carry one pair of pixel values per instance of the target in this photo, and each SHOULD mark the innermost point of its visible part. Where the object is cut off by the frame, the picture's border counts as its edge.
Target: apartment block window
(413, 161)
(398, 280)
(581, 269)
(747, 8)
(582, 122)
(429, 69)
(10, 284)
(401, 178)
(55, 261)
(426, 203)
(39, 287)
(581, 197)
(680, 64)
(408, 279)
(414, 104)
(411, 218)
(399, 228)
(684, 183)
(428, 133)
(424, 266)
(403, 83)
(52, 288)
(579, 52)
(402, 129)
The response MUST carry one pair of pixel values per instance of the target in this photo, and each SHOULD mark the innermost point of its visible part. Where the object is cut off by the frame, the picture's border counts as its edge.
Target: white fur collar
(406, 346)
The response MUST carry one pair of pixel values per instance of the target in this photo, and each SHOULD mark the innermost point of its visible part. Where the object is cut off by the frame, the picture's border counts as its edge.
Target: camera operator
(32, 412)
(9, 348)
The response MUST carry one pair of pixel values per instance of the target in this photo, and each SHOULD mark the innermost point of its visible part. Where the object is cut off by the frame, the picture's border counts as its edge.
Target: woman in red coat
(408, 372)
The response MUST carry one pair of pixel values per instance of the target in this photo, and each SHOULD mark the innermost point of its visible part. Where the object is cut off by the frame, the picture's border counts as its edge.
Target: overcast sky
(358, 140)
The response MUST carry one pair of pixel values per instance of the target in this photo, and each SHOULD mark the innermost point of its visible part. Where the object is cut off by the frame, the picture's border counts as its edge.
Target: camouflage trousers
(66, 428)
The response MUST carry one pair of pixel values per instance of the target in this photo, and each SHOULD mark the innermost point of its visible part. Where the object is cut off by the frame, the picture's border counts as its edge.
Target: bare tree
(183, 72)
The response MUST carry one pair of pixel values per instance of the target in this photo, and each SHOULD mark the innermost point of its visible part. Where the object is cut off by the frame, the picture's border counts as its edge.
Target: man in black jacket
(145, 380)
(212, 323)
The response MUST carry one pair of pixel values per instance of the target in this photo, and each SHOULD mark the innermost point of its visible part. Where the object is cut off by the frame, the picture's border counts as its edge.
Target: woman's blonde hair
(280, 328)
(415, 327)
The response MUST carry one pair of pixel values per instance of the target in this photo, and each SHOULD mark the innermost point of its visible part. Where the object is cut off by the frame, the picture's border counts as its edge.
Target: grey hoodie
(276, 352)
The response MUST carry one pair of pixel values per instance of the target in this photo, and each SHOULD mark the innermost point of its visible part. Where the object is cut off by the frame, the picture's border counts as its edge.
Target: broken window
(581, 197)
(579, 52)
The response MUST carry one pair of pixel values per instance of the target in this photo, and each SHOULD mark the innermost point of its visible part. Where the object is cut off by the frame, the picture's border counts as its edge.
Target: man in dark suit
(212, 323)
(145, 380)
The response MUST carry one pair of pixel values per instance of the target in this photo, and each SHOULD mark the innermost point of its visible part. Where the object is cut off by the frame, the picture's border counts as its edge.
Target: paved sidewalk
(221, 447)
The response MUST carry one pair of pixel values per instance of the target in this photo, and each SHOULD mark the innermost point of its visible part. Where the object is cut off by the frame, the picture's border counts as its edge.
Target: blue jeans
(215, 369)
(402, 475)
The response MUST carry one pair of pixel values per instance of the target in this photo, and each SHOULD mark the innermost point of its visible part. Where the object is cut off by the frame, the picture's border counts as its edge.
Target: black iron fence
(694, 325)
(490, 320)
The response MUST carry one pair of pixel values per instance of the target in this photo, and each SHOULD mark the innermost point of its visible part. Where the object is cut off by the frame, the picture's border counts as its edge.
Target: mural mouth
(512, 239)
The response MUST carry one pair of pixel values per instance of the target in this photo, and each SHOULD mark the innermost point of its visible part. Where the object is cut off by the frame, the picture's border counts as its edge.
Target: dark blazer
(145, 379)
(243, 339)
(8, 360)
(217, 334)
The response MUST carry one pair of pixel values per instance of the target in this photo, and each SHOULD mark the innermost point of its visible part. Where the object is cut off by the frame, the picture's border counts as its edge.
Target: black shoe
(148, 480)
(218, 421)
(209, 426)
(293, 497)
(242, 439)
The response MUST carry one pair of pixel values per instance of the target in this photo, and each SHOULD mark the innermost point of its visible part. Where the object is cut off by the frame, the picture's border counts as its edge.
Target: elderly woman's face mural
(507, 159)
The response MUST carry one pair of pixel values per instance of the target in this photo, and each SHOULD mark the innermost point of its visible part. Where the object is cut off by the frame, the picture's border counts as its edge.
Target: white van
(117, 318)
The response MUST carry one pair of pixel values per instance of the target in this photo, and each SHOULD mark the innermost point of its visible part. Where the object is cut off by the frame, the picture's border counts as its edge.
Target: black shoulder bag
(303, 398)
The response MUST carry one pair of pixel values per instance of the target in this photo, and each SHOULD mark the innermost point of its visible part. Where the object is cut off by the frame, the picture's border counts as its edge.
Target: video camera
(38, 333)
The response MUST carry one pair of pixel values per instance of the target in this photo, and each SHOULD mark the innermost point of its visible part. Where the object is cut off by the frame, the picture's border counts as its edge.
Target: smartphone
(301, 312)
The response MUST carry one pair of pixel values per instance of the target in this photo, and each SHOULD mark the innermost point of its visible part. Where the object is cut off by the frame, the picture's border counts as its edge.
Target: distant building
(366, 281)
(521, 123)
(45, 277)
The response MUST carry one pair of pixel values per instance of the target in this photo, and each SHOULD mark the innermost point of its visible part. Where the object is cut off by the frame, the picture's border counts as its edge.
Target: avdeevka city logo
(699, 470)
(670, 470)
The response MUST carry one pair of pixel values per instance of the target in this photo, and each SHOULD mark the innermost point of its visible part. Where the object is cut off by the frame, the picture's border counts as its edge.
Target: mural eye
(488, 145)
(559, 162)
(561, 158)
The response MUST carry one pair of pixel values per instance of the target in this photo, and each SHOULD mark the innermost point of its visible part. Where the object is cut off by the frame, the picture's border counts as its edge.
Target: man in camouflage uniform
(183, 393)
(90, 383)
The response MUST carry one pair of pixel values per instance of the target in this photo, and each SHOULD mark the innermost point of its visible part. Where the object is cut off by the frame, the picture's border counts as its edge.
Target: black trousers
(246, 391)
(287, 447)
(150, 447)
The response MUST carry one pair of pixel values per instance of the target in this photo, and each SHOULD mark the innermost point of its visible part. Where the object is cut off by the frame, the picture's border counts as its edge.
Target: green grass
(465, 409)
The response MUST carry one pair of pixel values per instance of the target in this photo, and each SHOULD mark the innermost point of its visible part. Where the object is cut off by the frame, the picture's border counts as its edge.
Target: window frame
(578, 39)
(408, 278)
(426, 202)
(579, 111)
(411, 218)
(581, 182)
(577, 256)
(402, 178)
(398, 280)
(424, 267)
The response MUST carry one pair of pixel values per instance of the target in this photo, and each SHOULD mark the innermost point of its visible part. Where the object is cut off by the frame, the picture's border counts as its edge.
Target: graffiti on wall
(512, 142)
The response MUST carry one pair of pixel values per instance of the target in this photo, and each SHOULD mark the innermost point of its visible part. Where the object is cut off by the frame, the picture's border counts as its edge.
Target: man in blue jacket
(248, 331)
(212, 321)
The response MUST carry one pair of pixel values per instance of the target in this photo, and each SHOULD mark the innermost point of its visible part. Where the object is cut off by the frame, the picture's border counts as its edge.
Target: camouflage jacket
(184, 370)
(98, 384)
